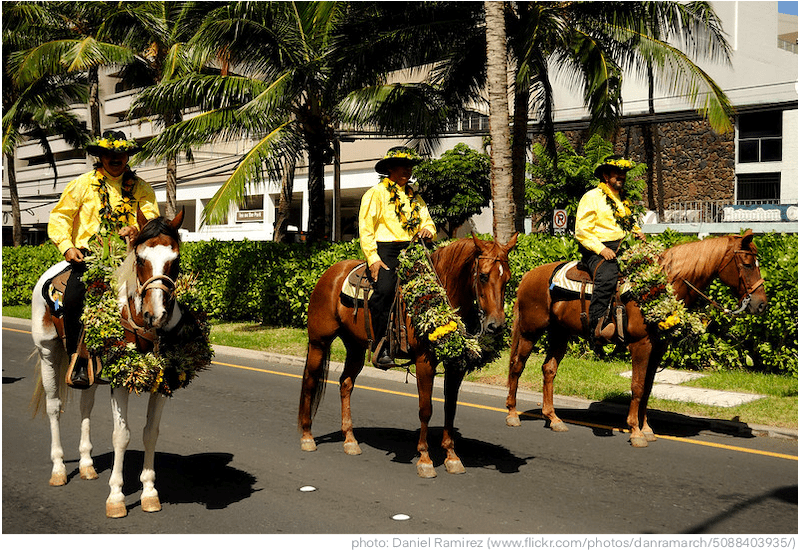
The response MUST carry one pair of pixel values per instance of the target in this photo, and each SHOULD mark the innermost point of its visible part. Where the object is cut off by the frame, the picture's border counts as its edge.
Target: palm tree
(36, 108)
(294, 73)
(497, 80)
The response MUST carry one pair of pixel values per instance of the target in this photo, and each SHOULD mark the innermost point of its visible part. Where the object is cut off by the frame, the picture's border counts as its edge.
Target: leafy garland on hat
(654, 295)
(115, 145)
(435, 321)
(179, 356)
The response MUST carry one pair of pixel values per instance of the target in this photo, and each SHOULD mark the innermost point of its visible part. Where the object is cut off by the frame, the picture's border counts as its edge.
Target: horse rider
(391, 214)
(106, 196)
(603, 220)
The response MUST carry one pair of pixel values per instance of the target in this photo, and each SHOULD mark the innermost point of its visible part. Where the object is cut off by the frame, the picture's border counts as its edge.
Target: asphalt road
(228, 460)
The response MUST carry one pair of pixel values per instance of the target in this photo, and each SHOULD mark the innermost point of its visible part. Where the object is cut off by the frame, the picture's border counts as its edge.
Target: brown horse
(731, 258)
(474, 273)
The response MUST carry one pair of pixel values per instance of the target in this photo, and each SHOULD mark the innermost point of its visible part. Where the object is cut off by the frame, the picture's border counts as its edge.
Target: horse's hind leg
(115, 504)
(86, 466)
(557, 348)
(150, 500)
(51, 360)
(313, 386)
(521, 348)
(354, 362)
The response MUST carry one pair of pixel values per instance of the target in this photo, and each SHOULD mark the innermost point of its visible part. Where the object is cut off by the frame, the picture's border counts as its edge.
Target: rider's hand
(425, 234)
(73, 255)
(608, 254)
(640, 236)
(376, 267)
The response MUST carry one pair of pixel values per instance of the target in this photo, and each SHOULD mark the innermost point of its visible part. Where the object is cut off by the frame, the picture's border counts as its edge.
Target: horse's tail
(38, 397)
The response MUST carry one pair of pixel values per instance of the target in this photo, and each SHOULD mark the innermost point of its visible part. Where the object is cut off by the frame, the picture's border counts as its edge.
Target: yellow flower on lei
(441, 331)
(671, 321)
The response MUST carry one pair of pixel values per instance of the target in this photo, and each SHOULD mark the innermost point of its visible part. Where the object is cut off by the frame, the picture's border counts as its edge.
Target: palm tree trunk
(16, 214)
(285, 202)
(655, 140)
(172, 173)
(519, 151)
(94, 102)
(316, 194)
(497, 78)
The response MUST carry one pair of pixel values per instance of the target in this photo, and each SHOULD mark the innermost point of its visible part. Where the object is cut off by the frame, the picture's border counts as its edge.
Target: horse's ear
(140, 218)
(747, 238)
(178, 220)
(512, 242)
(478, 242)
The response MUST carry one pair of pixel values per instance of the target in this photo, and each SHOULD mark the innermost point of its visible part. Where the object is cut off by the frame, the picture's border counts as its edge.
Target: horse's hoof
(513, 420)
(454, 466)
(115, 510)
(88, 473)
(58, 479)
(426, 470)
(650, 436)
(638, 442)
(308, 445)
(352, 448)
(151, 504)
(558, 426)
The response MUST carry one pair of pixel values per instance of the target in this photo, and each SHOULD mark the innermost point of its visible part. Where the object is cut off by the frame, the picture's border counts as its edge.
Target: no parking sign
(559, 220)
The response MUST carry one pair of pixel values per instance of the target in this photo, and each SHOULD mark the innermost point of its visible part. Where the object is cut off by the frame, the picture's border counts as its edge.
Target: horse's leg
(86, 466)
(640, 353)
(556, 349)
(51, 355)
(521, 348)
(150, 501)
(314, 378)
(425, 375)
(115, 504)
(452, 383)
(353, 364)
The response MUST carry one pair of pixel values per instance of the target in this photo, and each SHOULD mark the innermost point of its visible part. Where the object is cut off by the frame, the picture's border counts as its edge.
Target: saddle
(356, 292)
(53, 292)
(573, 278)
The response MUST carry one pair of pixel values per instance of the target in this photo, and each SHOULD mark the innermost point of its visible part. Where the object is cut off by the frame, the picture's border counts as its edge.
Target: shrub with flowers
(649, 288)
(434, 320)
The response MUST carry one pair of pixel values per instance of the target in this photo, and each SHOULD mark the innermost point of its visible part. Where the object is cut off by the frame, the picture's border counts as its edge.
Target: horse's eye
(484, 277)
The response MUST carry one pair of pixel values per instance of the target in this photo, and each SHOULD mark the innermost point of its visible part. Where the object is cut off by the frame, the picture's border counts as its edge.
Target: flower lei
(655, 297)
(435, 320)
(111, 219)
(116, 145)
(624, 217)
(181, 355)
(412, 221)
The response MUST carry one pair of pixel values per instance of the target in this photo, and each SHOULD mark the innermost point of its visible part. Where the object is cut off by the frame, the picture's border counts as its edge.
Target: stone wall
(698, 163)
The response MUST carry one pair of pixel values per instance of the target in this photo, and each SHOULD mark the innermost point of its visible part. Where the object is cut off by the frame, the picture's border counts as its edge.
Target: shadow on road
(402, 444)
(604, 417)
(203, 478)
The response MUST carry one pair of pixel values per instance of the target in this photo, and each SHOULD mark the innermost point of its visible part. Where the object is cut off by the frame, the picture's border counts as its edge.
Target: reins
(750, 289)
(165, 284)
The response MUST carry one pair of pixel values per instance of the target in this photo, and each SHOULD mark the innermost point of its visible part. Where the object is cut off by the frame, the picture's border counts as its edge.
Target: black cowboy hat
(397, 155)
(112, 142)
(613, 162)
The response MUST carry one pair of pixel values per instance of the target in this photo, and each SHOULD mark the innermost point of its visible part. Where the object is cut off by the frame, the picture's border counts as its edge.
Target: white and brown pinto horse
(690, 268)
(146, 285)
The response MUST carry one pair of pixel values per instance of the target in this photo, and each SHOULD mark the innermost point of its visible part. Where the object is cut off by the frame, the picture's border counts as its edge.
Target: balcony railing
(729, 211)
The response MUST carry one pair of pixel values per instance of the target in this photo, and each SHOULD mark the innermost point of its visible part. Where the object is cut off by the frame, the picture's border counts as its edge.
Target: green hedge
(270, 283)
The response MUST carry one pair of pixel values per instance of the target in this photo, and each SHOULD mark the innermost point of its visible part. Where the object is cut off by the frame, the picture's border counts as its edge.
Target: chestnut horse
(730, 258)
(147, 281)
(474, 273)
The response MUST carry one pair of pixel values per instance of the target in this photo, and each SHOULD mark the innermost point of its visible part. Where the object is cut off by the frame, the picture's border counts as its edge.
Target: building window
(760, 137)
(762, 187)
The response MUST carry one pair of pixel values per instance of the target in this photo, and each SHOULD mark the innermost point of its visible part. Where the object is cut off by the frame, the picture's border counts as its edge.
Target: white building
(761, 83)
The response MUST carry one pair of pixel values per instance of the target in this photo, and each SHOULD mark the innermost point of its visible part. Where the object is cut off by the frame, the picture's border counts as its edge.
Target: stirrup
(379, 362)
(80, 373)
(604, 334)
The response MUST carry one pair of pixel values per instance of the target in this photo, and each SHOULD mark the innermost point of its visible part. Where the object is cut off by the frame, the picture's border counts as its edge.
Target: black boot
(381, 358)
(78, 372)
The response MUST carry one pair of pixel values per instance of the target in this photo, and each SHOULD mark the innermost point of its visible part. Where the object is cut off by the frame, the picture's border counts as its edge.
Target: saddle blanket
(564, 280)
(355, 284)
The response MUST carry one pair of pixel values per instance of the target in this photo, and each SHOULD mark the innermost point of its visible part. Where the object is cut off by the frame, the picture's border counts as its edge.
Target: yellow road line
(534, 415)
(502, 410)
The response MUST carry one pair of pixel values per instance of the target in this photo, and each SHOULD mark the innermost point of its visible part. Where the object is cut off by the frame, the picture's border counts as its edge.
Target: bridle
(744, 285)
(475, 278)
(161, 282)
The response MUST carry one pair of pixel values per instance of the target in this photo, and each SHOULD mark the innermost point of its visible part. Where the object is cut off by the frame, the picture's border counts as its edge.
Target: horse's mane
(452, 258)
(694, 260)
(156, 227)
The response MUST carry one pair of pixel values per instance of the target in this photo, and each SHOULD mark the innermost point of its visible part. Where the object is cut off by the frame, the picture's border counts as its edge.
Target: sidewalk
(667, 383)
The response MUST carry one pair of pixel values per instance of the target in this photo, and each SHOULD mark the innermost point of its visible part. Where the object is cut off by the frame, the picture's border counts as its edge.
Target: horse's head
(156, 266)
(490, 273)
(740, 271)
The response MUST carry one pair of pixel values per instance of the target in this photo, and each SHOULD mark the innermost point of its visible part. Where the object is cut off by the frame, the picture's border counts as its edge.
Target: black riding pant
(384, 288)
(605, 274)
(74, 294)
